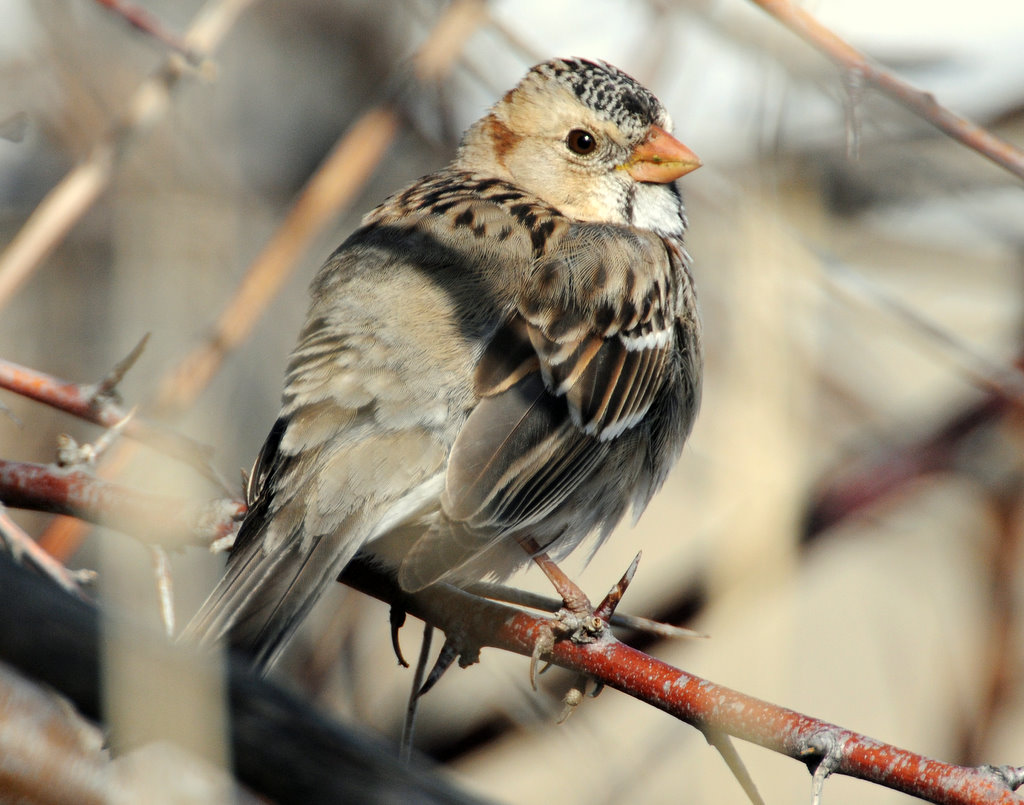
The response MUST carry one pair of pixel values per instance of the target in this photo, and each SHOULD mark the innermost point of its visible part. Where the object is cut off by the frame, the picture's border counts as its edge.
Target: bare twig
(69, 200)
(923, 104)
(142, 20)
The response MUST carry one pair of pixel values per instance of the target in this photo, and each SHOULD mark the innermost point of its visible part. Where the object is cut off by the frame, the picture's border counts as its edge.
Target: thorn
(102, 444)
(396, 616)
(656, 628)
(822, 752)
(108, 384)
(449, 652)
(510, 595)
(607, 607)
(725, 747)
(11, 415)
(71, 454)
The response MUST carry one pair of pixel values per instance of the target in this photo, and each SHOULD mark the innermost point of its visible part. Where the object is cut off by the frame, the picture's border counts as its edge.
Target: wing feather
(581, 360)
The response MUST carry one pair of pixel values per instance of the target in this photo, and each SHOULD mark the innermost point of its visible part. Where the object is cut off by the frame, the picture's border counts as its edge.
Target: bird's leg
(576, 620)
(574, 599)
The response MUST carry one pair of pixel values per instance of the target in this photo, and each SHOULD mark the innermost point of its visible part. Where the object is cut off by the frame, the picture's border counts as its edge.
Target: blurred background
(845, 521)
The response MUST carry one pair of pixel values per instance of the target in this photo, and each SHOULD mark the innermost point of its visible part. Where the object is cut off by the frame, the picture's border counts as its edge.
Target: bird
(508, 351)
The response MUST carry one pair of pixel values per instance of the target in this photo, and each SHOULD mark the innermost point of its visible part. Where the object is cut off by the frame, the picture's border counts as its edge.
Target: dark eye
(581, 142)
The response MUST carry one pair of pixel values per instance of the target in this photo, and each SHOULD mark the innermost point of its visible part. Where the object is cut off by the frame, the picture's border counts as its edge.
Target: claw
(397, 618)
(448, 654)
(543, 646)
(573, 697)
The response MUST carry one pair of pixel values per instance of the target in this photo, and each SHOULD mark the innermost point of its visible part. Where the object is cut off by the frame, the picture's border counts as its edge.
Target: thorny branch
(157, 519)
(477, 622)
(97, 403)
(699, 702)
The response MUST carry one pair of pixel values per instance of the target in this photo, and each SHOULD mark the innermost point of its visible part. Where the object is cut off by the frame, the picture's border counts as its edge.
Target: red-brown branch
(696, 701)
(160, 519)
(89, 402)
(473, 622)
(921, 103)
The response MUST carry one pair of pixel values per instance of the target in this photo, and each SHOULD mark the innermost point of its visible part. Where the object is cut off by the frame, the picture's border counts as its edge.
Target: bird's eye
(581, 142)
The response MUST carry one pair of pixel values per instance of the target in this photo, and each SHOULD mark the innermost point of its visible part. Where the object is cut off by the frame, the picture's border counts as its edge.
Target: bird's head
(587, 139)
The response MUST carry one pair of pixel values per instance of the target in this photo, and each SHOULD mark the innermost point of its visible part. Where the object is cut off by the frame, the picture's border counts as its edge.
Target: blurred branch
(472, 622)
(142, 20)
(1002, 630)
(923, 104)
(97, 403)
(23, 548)
(71, 198)
(887, 474)
(38, 731)
(158, 519)
(281, 748)
(1005, 382)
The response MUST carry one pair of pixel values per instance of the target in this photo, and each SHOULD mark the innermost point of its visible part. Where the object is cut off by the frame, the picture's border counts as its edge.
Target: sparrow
(508, 349)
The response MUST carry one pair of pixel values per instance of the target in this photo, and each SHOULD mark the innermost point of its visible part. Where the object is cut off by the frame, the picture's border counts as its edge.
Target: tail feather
(263, 597)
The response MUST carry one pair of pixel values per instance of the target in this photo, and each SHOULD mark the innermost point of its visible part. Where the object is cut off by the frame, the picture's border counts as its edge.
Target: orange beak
(661, 158)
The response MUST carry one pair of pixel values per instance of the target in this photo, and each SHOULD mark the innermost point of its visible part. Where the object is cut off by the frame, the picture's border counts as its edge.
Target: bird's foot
(578, 620)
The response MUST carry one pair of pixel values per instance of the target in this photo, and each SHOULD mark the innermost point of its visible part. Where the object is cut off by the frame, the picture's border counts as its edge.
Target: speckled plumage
(509, 347)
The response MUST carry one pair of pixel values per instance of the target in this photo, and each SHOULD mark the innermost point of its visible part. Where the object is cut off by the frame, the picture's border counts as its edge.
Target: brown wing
(600, 315)
(579, 364)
